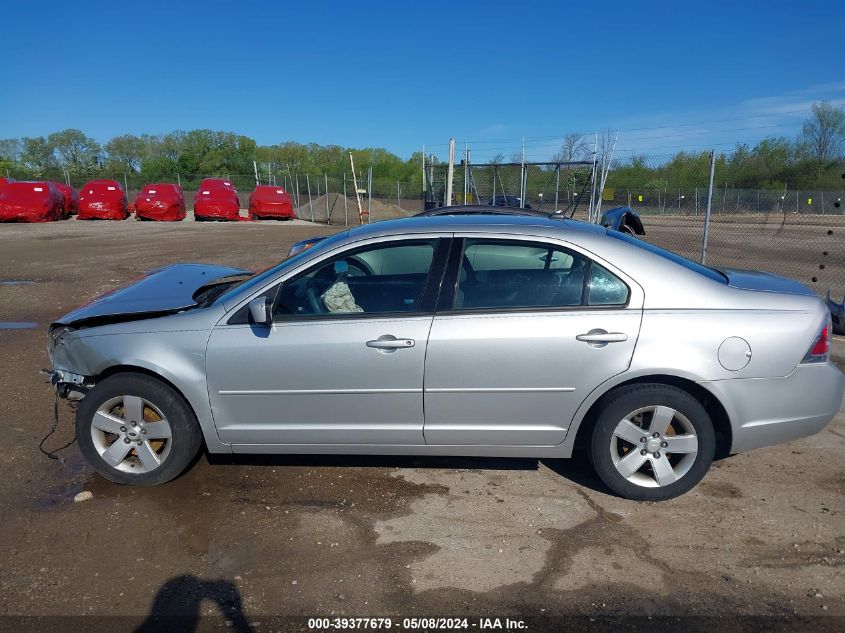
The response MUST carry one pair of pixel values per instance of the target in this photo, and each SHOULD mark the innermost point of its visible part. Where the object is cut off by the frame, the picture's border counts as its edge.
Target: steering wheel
(314, 302)
(359, 268)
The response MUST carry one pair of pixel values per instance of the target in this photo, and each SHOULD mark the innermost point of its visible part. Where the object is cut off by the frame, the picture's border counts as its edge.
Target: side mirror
(259, 310)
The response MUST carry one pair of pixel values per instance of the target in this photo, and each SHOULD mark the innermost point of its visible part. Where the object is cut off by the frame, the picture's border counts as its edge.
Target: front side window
(505, 275)
(372, 280)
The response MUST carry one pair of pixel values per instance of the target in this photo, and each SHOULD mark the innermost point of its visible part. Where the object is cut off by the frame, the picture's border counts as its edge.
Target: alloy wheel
(131, 434)
(654, 446)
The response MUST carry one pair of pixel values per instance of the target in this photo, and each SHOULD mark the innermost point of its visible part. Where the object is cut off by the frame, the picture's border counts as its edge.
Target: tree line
(814, 159)
(197, 152)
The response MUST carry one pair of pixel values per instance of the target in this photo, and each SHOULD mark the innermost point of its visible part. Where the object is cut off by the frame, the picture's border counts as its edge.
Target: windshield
(711, 273)
(260, 277)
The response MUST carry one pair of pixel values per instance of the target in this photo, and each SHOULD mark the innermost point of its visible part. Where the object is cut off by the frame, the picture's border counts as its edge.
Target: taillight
(819, 352)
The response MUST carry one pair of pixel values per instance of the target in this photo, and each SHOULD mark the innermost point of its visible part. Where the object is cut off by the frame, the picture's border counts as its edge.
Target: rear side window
(710, 273)
(605, 287)
(505, 275)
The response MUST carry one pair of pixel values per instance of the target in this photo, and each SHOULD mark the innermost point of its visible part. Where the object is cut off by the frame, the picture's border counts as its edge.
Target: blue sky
(400, 75)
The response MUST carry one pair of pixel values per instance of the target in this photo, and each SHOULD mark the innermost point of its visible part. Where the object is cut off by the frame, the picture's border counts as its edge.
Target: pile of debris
(331, 206)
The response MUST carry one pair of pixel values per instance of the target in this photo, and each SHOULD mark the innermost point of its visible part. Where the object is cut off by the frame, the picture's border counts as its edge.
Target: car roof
(487, 209)
(491, 221)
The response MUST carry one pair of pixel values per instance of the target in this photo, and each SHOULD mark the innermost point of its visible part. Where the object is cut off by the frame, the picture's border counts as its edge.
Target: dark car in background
(507, 201)
(623, 219)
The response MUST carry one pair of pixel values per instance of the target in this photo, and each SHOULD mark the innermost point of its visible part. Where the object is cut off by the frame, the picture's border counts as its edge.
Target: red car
(216, 199)
(162, 201)
(5, 181)
(71, 198)
(103, 200)
(268, 201)
(31, 202)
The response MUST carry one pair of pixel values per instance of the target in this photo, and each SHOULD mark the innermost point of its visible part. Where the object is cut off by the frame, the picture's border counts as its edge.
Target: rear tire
(652, 442)
(135, 429)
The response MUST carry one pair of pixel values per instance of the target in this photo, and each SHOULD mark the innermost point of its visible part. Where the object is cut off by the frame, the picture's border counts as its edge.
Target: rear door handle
(390, 343)
(600, 338)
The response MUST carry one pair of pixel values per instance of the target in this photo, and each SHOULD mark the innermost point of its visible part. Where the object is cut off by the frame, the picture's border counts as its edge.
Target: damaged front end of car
(74, 363)
(68, 385)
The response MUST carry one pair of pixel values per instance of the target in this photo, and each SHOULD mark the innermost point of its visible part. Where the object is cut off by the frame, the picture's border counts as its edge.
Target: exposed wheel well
(714, 408)
(133, 369)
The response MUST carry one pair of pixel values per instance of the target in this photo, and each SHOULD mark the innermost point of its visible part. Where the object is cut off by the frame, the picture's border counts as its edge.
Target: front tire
(135, 429)
(652, 442)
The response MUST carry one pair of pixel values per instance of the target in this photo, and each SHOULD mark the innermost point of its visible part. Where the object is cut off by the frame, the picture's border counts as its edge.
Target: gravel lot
(240, 539)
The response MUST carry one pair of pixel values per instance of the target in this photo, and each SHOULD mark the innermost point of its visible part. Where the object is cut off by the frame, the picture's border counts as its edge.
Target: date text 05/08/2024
(417, 624)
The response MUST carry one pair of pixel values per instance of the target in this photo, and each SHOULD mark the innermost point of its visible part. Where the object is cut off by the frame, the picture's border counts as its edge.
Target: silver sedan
(486, 335)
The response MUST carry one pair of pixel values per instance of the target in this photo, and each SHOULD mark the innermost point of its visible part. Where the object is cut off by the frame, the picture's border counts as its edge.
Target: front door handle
(389, 343)
(600, 338)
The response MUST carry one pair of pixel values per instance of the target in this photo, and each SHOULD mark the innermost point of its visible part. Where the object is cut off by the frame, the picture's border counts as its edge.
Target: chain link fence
(798, 234)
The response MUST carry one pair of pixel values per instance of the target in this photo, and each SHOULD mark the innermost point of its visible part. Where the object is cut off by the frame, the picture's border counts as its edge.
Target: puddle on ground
(73, 476)
(16, 282)
(17, 325)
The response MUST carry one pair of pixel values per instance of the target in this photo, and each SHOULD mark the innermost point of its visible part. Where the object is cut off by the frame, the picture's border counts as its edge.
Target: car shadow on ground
(177, 605)
(371, 461)
(577, 471)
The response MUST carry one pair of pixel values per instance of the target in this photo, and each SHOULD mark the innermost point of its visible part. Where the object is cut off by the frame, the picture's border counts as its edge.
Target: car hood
(161, 291)
(766, 282)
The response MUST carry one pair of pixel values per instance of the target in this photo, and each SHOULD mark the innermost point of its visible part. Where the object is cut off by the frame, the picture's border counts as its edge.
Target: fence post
(557, 184)
(398, 193)
(369, 193)
(709, 204)
(328, 212)
(125, 184)
(522, 179)
(424, 179)
(594, 177)
(297, 194)
(178, 179)
(310, 204)
(345, 203)
(466, 173)
(450, 173)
